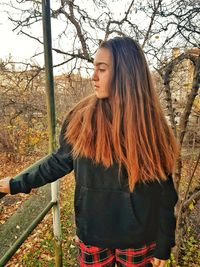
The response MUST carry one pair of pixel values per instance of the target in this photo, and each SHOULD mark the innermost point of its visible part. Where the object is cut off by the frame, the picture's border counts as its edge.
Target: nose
(95, 76)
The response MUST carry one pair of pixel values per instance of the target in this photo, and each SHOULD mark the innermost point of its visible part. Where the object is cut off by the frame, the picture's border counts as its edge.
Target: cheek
(107, 80)
(108, 85)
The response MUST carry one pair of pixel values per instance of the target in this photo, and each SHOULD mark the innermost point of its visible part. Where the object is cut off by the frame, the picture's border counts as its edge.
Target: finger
(5, 185)
(3, 190)
(158, 263)
(162, 263)
(155, 262)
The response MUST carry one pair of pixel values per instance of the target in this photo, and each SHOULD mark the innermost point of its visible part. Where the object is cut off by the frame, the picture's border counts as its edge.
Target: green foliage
(171, 261)
(34, 260)
(192, 204)
(190, 251)
(42, 255)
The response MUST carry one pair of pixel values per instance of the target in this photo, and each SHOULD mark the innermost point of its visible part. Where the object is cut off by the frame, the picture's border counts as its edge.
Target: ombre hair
(128, 127)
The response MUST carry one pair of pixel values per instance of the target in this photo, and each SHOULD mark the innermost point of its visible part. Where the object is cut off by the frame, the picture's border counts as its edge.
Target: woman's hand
(158, 263)
(5, 185)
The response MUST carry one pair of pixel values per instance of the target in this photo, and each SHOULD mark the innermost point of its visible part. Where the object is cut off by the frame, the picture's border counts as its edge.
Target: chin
(100, 96)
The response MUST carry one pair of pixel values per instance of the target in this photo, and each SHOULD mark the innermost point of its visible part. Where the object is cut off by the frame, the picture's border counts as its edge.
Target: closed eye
(102, 70)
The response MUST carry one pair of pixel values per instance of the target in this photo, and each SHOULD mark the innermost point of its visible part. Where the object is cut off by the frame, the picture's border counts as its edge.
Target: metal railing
(54, 203)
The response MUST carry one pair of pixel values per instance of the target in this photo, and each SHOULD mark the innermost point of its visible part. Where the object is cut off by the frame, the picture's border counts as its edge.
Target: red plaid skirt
(102, 257)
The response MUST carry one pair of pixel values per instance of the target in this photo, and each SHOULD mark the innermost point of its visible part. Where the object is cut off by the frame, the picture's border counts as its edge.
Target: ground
(16, 213)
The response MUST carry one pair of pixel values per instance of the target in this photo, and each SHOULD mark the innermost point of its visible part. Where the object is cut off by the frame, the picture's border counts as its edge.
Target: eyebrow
(99, 63)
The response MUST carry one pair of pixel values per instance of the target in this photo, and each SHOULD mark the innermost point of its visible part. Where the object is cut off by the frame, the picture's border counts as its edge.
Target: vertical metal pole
(51, 124)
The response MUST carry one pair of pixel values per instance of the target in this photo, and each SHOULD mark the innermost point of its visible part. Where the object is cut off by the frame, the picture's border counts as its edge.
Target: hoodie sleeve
(53, 167)
(167, 222)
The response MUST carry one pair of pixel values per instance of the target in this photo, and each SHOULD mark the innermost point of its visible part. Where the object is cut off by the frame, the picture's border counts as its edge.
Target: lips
(96, 87)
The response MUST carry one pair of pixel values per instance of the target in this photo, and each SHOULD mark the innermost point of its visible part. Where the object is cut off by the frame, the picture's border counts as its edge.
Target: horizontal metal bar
(25, 234)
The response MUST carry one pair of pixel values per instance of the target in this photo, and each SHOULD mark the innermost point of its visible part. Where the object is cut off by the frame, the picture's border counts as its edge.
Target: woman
(123, 154)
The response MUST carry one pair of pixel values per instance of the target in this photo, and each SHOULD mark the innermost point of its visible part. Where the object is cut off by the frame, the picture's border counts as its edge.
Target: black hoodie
(107, 213)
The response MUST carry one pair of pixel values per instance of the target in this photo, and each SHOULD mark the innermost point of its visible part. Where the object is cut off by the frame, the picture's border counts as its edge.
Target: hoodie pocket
(106, 215)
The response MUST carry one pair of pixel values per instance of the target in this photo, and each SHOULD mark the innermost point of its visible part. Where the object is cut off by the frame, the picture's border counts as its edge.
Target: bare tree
(158, 25)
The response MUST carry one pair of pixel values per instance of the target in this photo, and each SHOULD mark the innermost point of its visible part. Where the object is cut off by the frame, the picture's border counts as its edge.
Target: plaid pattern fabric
(91, 256)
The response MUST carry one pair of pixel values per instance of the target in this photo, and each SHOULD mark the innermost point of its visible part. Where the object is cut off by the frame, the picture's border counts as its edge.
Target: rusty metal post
(51, 124)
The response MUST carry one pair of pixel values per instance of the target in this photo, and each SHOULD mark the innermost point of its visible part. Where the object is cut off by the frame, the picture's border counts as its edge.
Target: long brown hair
(129, 126)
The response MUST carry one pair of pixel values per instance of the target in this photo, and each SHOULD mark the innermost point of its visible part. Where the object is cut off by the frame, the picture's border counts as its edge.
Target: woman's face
(102, 72)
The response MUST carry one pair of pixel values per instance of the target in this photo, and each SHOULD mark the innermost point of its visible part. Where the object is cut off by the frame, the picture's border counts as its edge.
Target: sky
(19, 46)
(22, 47)
(11, 43)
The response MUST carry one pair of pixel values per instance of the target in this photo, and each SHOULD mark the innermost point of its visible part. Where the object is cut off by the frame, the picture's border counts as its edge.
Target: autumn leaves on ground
(38, 250)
